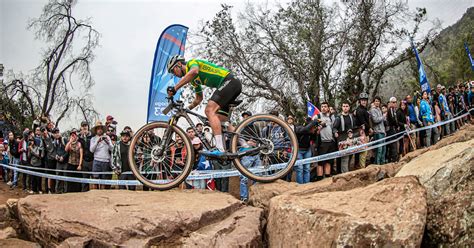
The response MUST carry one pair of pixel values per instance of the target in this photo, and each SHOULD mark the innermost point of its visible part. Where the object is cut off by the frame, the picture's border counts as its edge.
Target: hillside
(444, 59)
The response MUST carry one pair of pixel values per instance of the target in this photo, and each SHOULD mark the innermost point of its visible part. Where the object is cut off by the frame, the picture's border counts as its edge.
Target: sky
(129, 32)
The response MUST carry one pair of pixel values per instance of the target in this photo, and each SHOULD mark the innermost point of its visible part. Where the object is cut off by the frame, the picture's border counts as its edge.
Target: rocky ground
(7, 193)
(424, 200)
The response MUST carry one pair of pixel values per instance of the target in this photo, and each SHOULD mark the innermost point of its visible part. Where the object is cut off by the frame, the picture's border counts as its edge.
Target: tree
(308, 50)
(63, 79)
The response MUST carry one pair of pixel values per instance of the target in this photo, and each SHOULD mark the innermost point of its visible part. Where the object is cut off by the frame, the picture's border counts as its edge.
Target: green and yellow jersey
(210, 75)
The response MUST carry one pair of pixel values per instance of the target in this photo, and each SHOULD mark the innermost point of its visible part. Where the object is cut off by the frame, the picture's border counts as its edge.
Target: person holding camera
(101, 146)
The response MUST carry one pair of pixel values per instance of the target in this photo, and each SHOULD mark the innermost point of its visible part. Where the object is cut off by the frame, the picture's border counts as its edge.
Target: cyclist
(203, 73)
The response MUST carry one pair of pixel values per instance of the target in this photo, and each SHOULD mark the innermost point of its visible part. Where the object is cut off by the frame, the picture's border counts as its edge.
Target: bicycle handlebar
(172, 104)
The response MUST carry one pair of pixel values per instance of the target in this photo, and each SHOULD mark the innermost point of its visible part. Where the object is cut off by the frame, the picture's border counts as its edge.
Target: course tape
(214, 174)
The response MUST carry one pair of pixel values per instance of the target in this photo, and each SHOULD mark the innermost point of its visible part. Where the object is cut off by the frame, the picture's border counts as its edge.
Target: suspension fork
(167, 136)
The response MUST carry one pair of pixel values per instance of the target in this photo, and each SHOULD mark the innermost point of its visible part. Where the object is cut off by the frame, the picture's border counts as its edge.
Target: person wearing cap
(108, 120)
(120, 164)
(75, 158)
(111, 125)
(128, 129)
(85, 137)
(101, 146)
(362, 120)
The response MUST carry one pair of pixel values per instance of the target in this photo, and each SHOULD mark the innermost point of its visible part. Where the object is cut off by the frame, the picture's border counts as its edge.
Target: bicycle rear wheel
(165, 171)
(277, 143)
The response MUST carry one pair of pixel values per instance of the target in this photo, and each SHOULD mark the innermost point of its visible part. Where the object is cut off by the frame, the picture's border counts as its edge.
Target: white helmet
(173, 60)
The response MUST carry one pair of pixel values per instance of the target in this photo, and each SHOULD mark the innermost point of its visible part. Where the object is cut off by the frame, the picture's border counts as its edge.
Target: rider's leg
(215, 123)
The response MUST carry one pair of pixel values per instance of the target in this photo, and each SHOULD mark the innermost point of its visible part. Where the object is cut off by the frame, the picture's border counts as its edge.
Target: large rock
(466, 133)
(448, 177)
(390, 213)
(15, 243)
(260, 194)
(138, 219)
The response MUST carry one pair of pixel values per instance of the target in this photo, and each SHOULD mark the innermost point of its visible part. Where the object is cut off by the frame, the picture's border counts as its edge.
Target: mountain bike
(161, 155)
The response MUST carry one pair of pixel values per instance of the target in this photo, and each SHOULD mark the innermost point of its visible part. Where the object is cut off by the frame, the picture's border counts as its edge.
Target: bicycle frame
(182, 112)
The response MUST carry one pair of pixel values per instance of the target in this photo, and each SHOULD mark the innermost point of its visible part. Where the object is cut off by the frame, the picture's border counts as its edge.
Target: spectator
(446, 113)
(23, 149)
(291, 122)
(412, 113)
(199, 128)
(422, 133)
(392, 148)
(120, 163)
(363, 121)
(110, 124)
(85, 137)
(129, 130)
(377, 118)
(208, 135)
(403, 120)
(248, 161)
(4, 159)
(438, 116)
(36, 154)
(76, 154)
(61, 160)
(101, 146)
(470, 101)
(50, 158)
(328, 143)
(50, 126)
(38, 137)
(427, 117)
(304, 135)
(343, 124)
(147, 141)
(14, 155)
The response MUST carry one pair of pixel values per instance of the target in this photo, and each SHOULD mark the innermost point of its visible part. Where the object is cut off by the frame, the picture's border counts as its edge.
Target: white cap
(393, 99)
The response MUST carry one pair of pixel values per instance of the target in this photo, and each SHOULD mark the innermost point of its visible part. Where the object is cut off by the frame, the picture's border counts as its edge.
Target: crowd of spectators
(97, 151)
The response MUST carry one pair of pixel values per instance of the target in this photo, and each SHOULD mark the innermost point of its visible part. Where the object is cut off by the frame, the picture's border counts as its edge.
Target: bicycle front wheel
(275, 142)
(160, 156)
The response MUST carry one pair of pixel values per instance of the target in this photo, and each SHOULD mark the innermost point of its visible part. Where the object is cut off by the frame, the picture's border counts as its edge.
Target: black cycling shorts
(325, 148)
(227, 93)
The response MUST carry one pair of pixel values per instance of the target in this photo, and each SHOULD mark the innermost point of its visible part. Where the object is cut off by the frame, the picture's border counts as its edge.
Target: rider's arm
(197, 101)
(192, 73)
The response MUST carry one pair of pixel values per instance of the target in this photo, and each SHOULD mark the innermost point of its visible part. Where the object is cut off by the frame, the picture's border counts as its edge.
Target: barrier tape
(214, 174)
